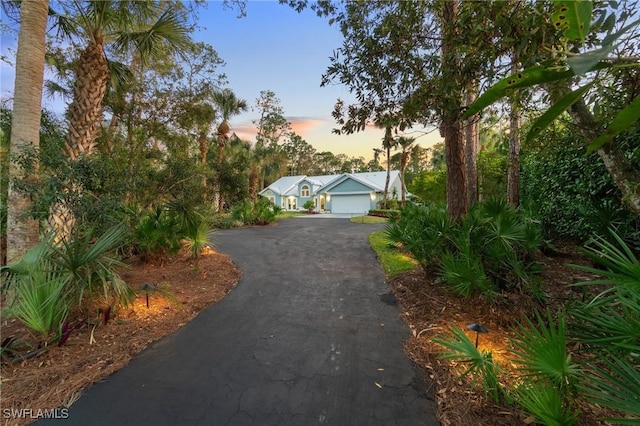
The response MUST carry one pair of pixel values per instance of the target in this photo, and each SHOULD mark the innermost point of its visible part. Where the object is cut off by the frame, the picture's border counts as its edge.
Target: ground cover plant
(563, 351)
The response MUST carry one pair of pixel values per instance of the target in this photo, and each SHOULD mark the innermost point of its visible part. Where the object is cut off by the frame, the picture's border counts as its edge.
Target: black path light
(148, 286)
(478, 329)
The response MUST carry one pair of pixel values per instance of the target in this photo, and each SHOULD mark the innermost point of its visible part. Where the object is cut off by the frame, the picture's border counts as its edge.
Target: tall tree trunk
(472, 136)
(254, 181)
(85, 118)
(85, 111)
(457, 200)
(385, 196)
(202, 141)
(513, 170)
(22, 232)
(404, 162)
(222, 142)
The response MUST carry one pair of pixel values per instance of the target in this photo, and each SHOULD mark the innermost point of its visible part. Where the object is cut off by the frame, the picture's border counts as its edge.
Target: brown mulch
(56, 377)
(430, 309)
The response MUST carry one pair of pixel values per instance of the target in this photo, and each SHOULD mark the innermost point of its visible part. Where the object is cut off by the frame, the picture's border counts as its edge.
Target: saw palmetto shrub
(491, 250)
(423, 231)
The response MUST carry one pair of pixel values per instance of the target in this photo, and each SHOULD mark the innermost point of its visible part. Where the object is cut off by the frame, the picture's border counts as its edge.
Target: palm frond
(120, 75)
(167, 31)
(546, 403)
(615, 384)
(480, 364)
(541, 351)
(460, 348)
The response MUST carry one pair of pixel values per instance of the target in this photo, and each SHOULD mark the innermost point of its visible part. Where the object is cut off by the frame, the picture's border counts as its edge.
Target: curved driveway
(305, 338)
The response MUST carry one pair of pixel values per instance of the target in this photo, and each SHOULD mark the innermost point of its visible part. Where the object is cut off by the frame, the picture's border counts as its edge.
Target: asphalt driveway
(307, 337)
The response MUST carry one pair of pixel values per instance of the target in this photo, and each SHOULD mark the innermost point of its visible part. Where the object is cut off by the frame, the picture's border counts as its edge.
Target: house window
(304, 191)
(272, 199)
(292, 203)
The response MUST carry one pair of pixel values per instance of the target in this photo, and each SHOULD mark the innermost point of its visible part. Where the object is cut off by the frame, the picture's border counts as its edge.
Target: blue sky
(274, 48)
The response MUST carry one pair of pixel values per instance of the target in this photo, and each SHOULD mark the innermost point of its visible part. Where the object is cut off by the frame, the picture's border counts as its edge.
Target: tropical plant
(610, 321)
(608, 327)
(35, 291)
(143, 28)
(490, 250)
(197, 236)
(614, 382)
(480, 363)
(101, 28)
(464, 272)
(309, 205)
(156, 234)
(422, 231)
(41, 300)
(229, 105)
(545, 402)
(549, 376)
(568, 67)
(88, 266)
(541, 352)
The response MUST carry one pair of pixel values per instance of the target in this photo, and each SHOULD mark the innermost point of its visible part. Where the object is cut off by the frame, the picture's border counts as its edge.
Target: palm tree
(376, 157)
(406, 144)
(125, 27)
(142, 28)
(22, 233)
(229, 105)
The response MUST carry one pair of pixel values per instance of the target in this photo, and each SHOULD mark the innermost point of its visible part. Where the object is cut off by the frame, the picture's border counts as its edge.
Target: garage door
(350, 203)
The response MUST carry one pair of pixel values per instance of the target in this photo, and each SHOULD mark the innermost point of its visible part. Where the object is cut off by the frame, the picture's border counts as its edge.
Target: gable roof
(288, 185)
(284, 185)
(373, 180)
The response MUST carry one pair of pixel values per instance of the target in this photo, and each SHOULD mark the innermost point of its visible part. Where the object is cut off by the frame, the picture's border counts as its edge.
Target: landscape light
(146, 287)
(478, 329)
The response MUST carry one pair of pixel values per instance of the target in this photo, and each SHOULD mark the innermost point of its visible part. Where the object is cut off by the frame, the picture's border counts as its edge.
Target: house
(345, 193)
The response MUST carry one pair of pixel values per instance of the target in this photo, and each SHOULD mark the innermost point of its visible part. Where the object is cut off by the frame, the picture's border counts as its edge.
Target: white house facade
(354, 193)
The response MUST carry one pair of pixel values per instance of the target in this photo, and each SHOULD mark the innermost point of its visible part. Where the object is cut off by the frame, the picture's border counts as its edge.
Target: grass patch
(286, 214)
(368, 219)
(392, 260)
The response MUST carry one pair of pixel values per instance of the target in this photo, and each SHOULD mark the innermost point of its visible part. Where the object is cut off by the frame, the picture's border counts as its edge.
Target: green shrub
(40, 297)
(492, 174)
(506, 242)
(262, 212)
(52, 276)
(156, 235)
(41, 302)
(422, 231)
(546, 403)
(491, 250)
(309, 205)
(548, 375)
(572, 194)
(384, 212)
(430, 185)
(88, 265)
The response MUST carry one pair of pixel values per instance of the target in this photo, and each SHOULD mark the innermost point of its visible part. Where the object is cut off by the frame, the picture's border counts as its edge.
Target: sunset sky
(274, 48)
